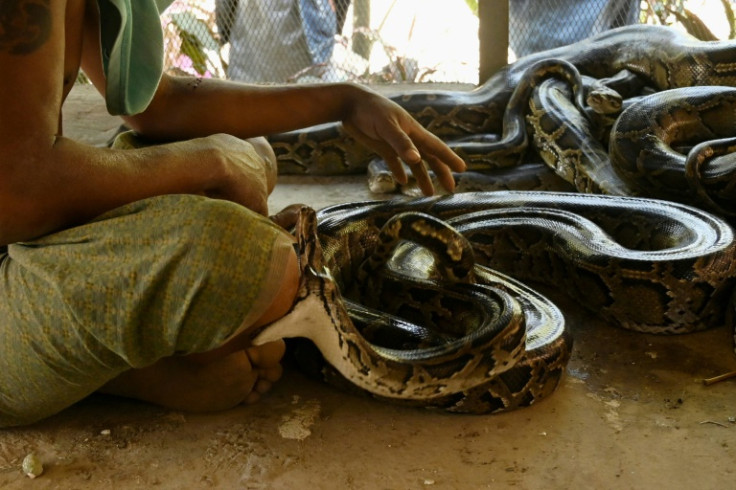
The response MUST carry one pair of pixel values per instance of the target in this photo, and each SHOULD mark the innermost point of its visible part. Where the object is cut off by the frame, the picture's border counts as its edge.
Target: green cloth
(168, 275)
(132, 52)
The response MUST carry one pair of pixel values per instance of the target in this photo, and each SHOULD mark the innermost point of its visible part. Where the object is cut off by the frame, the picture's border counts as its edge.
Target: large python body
(663, 58)
(380, 308)
(702, 120)
(642, 264)
(676, 145)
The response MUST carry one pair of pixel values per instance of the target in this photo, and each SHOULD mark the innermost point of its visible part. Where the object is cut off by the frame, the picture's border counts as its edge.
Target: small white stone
(32, 466)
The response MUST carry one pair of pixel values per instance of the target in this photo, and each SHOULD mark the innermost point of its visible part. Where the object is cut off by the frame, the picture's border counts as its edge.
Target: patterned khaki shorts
(168, 275)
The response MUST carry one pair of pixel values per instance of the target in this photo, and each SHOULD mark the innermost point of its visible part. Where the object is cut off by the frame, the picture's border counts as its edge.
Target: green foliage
(192, 47)
(473, 6)
(669, 12)
(695, 26)
(197, 41)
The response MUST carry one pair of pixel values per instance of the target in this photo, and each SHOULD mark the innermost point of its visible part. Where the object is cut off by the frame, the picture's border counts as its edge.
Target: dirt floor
(631, 412)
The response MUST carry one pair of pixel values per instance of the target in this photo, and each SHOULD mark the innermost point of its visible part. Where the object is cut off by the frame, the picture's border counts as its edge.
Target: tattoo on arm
(25, 25)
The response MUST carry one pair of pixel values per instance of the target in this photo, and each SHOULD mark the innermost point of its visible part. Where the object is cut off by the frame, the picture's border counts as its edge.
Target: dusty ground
(631, 412)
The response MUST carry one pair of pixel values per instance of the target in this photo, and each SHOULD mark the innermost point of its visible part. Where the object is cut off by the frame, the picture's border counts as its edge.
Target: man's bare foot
(266, 361)
(182, 384)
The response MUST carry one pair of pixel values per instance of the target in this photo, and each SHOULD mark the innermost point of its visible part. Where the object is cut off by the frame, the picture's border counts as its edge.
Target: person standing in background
(536, 26)
(271, 41)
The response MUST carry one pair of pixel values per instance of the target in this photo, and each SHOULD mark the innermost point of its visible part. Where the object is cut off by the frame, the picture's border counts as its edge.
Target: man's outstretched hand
(386, 128)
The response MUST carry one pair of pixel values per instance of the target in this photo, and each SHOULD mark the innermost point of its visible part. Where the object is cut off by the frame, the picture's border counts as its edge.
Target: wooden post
(361, 19)
(493, 33)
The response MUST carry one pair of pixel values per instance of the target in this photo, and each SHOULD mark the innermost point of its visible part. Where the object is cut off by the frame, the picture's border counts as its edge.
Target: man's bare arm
(188, 107)
(48, 182)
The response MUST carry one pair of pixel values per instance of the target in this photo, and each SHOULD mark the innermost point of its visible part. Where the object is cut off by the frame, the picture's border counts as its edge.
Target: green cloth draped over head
(132, 52)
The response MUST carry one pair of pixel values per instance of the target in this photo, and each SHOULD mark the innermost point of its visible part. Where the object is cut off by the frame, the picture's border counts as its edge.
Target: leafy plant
(669, 12)
(198, 43)
(473, 6)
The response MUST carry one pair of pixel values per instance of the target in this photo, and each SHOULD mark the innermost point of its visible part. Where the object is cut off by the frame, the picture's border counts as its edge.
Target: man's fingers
(260, 207)
(425, 146)
(384, 150)
(401, 144)
(422, 177)
(437, 153)
(443, 174)
(409, 142)
(286, 218)
(397, 168)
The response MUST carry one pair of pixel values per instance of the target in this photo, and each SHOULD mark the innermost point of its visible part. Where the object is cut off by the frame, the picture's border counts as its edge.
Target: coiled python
(661, 57)
(502, 163)
(642, 264)
(429, 321)
(647, 136)
(676, 145)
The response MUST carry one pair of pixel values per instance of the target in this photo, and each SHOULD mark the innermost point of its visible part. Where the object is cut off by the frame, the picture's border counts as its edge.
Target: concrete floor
(631, 412)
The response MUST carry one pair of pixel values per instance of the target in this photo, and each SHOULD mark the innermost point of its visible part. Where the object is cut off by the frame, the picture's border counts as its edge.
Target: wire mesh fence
(535, 26)
(385, 41)
(285, 41)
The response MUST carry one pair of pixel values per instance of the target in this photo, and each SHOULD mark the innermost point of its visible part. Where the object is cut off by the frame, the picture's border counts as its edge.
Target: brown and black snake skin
(419, 301)
(413, 301)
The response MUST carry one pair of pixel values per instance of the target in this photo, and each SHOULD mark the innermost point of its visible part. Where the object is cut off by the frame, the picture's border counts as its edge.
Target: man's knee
(238, 268)
(214, 224)
(284, 298)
